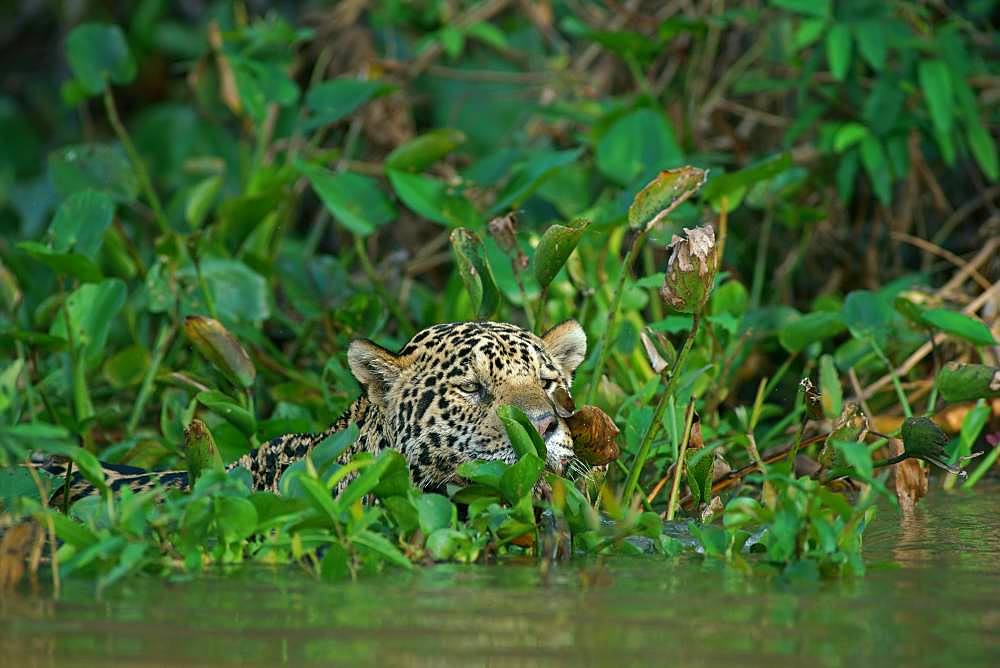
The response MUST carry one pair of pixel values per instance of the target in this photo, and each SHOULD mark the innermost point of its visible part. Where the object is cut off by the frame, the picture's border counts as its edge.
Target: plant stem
(137, 164)
(679, 465)
(892, 374)
(145, 389)
(661, 406)
(404, 322)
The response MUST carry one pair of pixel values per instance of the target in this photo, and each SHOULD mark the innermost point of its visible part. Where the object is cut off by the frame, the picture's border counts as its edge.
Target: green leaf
(831, 392)
(524, 438)
(733, 186)
(98, 54)
(867, 314)
(96, 167)
(369, 478)
(639, 144)
(838, 50)
(964, 382)
(848, 135)
(80, 222)
(354, 200)
(335, 565)
(434, 512)
(554, 249)
(935, 82)
(319, 496)
(380, 545)
(331, 101)
(430, 198)
(856, 455)
(807, 7)
(960, 325)
(663, 194)
(423, 151)
(92, 309)
(530, 175)
(200, 200)
(797, 334)
(519, 480)
(484, 473)
(239, 292)
(69, 264)
(872, 43)
(236, 518)
(873, 159)
(226, 408)
(984, 148)
(474, 269)
(221, 348)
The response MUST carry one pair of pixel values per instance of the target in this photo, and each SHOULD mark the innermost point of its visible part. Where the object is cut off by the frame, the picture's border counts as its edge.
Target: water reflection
(930, 597)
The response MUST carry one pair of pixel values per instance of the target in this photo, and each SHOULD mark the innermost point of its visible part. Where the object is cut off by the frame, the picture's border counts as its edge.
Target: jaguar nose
(545, 424)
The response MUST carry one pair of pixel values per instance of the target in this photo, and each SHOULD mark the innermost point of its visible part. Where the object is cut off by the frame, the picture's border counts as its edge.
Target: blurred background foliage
(297, 171)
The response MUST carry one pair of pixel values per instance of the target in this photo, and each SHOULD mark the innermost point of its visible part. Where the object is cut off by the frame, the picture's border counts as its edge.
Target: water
(931, 597)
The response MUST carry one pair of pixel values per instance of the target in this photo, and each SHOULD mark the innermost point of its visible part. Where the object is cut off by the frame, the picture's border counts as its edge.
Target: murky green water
(932, 597)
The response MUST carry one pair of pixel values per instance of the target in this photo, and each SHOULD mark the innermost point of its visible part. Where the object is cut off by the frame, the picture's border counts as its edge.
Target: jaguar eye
(471, 387)
(549, 383)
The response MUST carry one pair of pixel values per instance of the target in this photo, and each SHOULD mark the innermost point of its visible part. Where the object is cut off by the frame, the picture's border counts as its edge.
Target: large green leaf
(639, 144)
(430, 198)
(960, 325)
(93, 166)
(240, 293)
(838, 50)
(92, 309)
(734, 185)
(354, 200)
(80, 222)
(867, 314)
(331, 101)
(98, 54)
(797, 334)
(519, 480)
(71, 264)
(530, 175)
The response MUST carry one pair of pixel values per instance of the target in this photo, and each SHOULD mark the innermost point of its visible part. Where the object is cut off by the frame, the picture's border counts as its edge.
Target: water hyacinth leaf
(554, 249)
(221, 348)
(228, 409)
(966, 382)
(381, 546)
(524, 438)
(960, 325)
(936, 84)
(486, 473)
(80, 222)
(733, 186)
(98, 54)
(635, 144)
(434, 512)
(474, 269)
(423, 151)
(802, 332)
(663, 194)
(335, 565)
(369, 478)
(236, 518)
(331, 101)
(68, 264)
(354, 200)
(200, 450)
(101, 167)
(520, 478)
(866, 314)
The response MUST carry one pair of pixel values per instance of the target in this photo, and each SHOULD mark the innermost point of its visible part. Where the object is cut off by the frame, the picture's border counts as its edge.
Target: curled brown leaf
(594, 436)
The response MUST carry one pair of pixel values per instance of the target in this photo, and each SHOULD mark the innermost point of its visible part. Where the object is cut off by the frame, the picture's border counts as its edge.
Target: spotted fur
(434, 401)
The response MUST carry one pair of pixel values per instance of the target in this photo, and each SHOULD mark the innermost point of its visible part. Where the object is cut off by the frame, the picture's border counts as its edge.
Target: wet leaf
(555, 247)
(521, 477)
(213, 340)
(595, 436)
(474, 268)
(663, 194)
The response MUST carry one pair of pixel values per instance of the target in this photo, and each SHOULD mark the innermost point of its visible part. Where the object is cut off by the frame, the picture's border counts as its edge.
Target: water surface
(931, 597)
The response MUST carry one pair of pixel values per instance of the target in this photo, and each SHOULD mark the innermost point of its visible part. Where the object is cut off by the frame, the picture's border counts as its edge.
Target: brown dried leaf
(14, 549)
(909, 478)
(594, 436)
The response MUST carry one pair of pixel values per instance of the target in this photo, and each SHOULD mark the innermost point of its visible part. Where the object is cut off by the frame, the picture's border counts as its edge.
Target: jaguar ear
(375, 367)
(567, 344)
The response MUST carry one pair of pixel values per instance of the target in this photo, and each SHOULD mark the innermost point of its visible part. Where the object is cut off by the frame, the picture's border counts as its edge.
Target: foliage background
(307, 161)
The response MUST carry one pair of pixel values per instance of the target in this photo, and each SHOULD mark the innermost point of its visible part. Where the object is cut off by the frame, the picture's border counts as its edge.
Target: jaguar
(434, 401)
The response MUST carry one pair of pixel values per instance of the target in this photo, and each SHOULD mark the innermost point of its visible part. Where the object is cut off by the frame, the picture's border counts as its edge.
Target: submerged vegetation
(776, 223)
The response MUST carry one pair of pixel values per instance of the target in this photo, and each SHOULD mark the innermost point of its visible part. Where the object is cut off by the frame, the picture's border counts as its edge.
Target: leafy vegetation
(199, 212)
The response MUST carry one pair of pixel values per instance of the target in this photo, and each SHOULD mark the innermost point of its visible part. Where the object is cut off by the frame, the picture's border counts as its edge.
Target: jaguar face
(438, 396)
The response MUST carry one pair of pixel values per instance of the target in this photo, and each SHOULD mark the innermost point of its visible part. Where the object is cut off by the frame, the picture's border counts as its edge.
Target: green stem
(146, 388)
(892, 374)
(679, 465)
(137, 164)
(404, 322)
(661, 406)
(616, 301)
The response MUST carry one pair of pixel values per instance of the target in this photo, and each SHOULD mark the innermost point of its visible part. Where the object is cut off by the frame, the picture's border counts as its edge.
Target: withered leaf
(594, 436)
